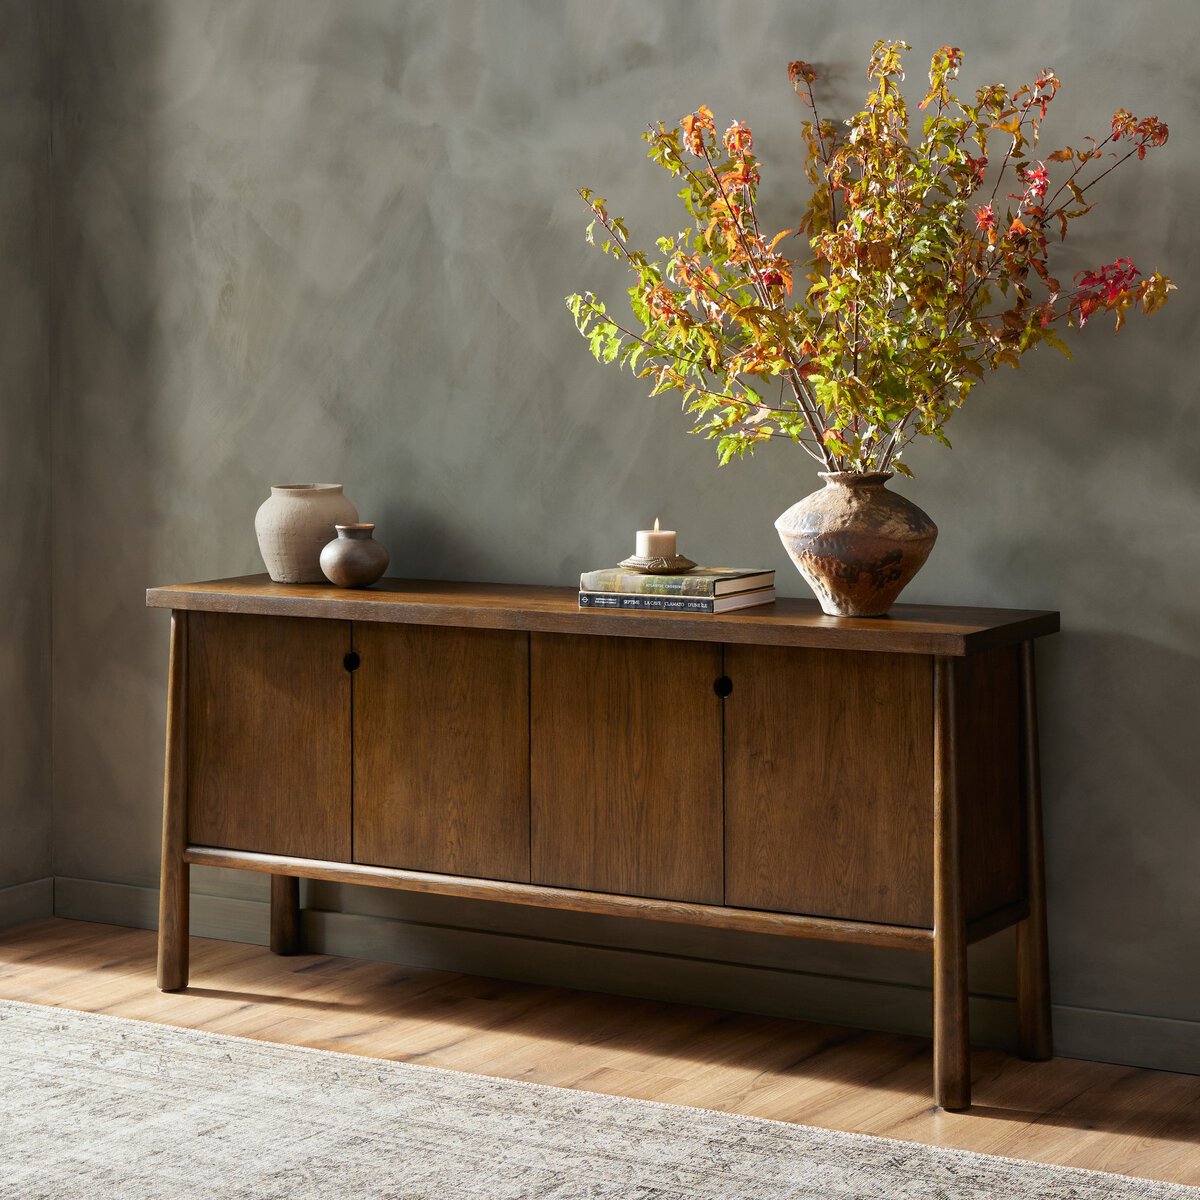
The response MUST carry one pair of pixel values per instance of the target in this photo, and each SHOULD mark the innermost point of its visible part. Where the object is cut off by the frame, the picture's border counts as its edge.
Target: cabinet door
(626, 766)
(268, 734)
(441, 750)
(829, 783)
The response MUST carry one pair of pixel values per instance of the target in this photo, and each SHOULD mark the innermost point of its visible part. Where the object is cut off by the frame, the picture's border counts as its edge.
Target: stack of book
(703, 590)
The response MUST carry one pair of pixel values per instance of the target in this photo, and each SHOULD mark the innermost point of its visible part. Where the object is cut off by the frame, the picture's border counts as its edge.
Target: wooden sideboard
(870, 780)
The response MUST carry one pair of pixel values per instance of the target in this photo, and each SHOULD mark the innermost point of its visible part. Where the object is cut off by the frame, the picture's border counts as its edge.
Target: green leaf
(893, 305)
(1052, 339)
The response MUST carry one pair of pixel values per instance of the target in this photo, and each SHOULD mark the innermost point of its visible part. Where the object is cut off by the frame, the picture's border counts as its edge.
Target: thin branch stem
(813, 415)
(759, 406)
(1029, 103)
(1066, 183)
(763, 291)
(1092, 182)
(803, 399)
(826, 154)
(809, 408)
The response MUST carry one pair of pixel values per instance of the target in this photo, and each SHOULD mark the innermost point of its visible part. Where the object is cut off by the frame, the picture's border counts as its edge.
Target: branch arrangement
(921, 274)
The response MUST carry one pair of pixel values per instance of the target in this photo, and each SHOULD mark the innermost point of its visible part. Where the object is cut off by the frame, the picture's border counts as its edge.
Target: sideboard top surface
(907, 629)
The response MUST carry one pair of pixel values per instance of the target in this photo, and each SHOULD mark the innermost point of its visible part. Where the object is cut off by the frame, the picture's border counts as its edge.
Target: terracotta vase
(856, 544)
(354, 558)
(294, 524)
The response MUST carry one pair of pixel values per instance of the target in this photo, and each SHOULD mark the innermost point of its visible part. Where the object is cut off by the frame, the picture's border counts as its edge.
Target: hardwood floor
(1082, 1114)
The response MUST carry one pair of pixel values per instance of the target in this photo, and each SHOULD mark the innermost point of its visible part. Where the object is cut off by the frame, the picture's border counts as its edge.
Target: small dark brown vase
(856, 543)
(354, 558)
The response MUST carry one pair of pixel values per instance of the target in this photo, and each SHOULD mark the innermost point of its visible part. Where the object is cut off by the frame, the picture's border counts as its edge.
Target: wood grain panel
(268, 743)
(441, 750)
(909, 628)
(828, 784)
(626, 766)
(988, 765)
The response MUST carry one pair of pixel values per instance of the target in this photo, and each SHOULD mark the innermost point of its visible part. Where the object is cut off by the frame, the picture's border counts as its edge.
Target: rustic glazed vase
(294, 524)
(354, 559)
(856, 544)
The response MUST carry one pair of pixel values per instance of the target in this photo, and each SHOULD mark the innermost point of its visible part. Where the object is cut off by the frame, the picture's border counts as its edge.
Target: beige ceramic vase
(856, 543)
(295, 523)
(354, 559)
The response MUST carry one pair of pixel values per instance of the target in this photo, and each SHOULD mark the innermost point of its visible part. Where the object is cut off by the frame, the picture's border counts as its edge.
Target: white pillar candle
(656, 542)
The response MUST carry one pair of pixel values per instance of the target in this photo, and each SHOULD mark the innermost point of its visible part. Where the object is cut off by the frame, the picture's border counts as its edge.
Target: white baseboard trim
(1133, 1039)
(23, 902)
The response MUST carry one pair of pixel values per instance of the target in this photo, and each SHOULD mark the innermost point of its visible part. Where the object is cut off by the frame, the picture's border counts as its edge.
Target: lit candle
(656, 542)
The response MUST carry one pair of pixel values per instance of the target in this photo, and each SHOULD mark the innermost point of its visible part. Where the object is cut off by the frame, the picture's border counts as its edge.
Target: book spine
(696, 604)
(640, 585)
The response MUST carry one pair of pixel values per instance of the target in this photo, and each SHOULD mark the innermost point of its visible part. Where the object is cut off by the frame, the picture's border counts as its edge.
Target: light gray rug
(94, 1107)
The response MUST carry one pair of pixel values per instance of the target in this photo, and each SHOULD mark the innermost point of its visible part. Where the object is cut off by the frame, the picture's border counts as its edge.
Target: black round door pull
(351, 661)
(723, 686)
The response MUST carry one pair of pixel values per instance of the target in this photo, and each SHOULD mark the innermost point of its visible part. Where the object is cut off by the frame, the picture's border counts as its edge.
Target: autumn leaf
(694, 127)
(898, 319)
(800, 71)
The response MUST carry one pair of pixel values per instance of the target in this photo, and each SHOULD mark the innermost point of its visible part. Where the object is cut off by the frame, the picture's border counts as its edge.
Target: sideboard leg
(951, 1027)
(1035, 1038)
(173, 886)
(285, 914)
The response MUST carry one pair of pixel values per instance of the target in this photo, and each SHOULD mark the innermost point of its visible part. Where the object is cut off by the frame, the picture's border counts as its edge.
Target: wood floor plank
(1084, 1114)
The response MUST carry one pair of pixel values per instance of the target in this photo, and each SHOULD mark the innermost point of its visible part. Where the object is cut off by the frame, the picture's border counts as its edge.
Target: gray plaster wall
(24, 455)
(314, 240)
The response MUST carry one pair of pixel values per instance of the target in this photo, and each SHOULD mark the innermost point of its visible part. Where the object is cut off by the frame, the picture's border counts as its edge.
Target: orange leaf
(801, 70)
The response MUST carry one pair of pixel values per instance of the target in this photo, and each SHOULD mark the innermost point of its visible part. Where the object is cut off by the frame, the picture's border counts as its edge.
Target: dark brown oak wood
(1033, 952)
(285, 915)
(951, 1028)
(828, 784)
(173, 893)
(988, 781)
(993, 922)
(625, 762)
(820, 929)
(870, 781)
(441, 750)
(268, 745)
(908, 628)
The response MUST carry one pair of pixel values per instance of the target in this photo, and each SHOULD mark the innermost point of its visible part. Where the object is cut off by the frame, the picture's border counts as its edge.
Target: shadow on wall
(25, 833)
(1118, 726)
(419, 533)
(108, 404)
